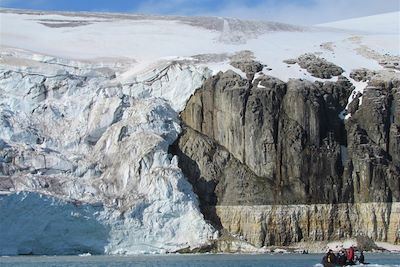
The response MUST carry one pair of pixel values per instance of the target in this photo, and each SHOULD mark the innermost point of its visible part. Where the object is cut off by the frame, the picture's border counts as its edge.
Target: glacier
(93, 155)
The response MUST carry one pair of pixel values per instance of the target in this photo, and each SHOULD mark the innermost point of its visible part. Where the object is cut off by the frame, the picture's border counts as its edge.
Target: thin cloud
(305, 12)
(179, 7)
(318, 11)
(291, 11)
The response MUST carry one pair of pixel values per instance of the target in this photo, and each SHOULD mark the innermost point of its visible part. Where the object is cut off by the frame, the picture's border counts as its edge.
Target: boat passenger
(361, 259)
(341, 260)
(350, 256)
(329, 259)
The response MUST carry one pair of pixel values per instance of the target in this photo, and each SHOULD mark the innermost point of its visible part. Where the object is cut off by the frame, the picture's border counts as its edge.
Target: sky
(306, 12)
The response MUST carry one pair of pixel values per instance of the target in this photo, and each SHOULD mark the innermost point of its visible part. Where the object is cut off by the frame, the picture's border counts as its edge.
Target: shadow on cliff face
(204, 189)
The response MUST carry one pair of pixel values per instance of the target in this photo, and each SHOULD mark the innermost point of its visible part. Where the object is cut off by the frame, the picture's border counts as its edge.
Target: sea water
(202, 260)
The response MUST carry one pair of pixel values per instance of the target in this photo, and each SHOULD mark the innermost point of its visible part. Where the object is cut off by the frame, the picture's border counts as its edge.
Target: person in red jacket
(350, 255)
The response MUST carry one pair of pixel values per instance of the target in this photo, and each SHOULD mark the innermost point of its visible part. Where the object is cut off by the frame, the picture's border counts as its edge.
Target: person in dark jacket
(361, 258)
(341, 260)
(329, 259)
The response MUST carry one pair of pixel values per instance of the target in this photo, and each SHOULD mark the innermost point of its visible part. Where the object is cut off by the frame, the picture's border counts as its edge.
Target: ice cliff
(94, 156)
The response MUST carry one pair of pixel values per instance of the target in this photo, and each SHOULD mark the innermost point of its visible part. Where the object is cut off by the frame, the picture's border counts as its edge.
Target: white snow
(381, 23)
(223, 66)
(280, 250)
(338, 245)
(343, 154)
(388, 246)
(392, 112)
(359, 88)
(149, 40)
(172, 81)
(112, 38)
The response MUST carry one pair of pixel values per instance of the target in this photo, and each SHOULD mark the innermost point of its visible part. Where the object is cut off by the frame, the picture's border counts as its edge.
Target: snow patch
(343, 154)
(338, 245)
(392, 111)
(359, 88)
(170, 80)
(388, 246)
(224, 66)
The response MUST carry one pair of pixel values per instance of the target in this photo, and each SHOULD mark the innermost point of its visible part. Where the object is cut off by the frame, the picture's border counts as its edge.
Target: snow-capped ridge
(207, 22)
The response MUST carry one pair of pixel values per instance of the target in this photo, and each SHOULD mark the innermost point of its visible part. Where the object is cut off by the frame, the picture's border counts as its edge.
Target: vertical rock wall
(252, 149)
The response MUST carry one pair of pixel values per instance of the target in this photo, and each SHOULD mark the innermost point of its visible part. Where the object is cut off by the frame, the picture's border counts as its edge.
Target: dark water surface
(210, 260)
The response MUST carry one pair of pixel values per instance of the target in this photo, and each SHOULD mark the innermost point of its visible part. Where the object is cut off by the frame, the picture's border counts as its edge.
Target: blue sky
(292, 11)
(167, 7)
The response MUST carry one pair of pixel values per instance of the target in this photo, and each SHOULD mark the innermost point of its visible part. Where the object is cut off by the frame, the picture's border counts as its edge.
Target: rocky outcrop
(362, 75)
(318, 67)
(276, 130)
(250, 67)
(372, 135)
(267, 144)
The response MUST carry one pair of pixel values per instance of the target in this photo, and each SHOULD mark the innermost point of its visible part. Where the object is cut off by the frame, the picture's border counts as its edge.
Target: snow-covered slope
(141, 41)
(382, 23)
(89, 107)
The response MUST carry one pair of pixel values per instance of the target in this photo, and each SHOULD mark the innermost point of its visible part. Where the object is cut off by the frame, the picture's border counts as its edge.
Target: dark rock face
(288, 135)
(373, 142)
(249, 67)
(290, 61)
(219, 178)
(275, 143)
(362, 75)
(318, 67)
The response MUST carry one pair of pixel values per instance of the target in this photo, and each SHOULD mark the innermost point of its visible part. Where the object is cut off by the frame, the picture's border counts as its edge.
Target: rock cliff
(254, 148)
(287, 224)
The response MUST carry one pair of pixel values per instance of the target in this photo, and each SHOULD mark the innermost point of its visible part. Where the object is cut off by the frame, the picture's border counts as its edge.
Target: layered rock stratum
(124, 134)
